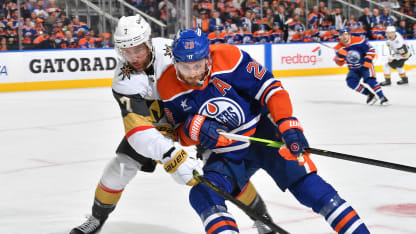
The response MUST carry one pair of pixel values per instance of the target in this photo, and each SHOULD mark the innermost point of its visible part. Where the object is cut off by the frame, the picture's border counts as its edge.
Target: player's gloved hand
(368, 63)
(342, 53)
(339, 61)
(206, 131)
(180, 165)
(292, 134)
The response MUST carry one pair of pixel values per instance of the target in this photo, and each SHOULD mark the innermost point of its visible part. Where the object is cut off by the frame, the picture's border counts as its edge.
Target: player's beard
(139, 65)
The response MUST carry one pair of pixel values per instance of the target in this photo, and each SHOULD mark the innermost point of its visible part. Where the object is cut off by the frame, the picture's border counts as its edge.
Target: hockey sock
(105, 201)
(312, 191)
(211, 207)
(372, 82)
(252, 199)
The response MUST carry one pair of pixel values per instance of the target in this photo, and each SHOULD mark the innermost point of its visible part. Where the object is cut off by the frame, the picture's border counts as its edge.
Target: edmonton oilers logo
(353, 56)
(224, 110)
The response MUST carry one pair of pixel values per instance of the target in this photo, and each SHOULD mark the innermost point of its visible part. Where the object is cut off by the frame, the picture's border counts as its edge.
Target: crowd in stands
(46, 26)
(43, 25)
(280, 21)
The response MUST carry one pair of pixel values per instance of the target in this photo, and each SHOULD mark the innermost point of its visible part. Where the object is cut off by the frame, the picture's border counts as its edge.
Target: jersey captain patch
(224, 110)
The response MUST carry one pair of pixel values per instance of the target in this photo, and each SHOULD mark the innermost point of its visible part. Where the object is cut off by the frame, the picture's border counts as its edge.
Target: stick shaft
(327, 153)
(250, 212)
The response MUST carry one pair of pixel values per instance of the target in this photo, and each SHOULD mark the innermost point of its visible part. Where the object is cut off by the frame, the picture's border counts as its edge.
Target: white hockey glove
(177, 162)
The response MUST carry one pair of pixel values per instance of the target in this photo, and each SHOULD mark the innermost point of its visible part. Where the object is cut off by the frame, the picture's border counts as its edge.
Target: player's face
(192, 72)
(345, 38)
(137, 56)
(391, 35)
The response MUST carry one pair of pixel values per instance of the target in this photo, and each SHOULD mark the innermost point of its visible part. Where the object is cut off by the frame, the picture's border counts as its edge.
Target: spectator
(337, 19)
(50, 19)
(299, 36)
(360, 31)
(402, 29)
(11, 37)
(276, 34)
(69, 42)
(214, 20)
(407, 9)
(314, 17)
(24, 10)
(49, 42)
(53, 8)
(243, 36)
(261, 35)
(312, 34)
(375, 18)
(217, 36)
(385, 18)
(105, 40)
(64, 19)
(366, 20)
(247, 19)
(378, 32)
(280, 17)
(3, 44)
(79, 27)
(28, 32)
(40, 10)
(85, 40)
(331, 35)
(414, 30)
(229, 34)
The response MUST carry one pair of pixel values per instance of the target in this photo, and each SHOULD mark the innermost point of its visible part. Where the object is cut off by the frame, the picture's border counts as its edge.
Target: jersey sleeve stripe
(273, 87)
(263, 87)
(270, 93)
(137, 129)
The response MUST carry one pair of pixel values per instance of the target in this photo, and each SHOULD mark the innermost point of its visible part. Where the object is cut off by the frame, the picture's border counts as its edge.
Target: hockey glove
(339, 61)
(180, 166)
(342, 53)
(292, 134)
(206, 131)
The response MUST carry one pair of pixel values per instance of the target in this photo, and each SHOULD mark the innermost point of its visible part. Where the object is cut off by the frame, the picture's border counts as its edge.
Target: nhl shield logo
(224, 110)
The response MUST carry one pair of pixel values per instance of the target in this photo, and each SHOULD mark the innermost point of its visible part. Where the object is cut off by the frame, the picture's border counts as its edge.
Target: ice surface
(55, 144)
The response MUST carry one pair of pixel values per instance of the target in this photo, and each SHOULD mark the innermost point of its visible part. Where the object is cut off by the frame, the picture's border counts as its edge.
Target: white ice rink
(55, 144)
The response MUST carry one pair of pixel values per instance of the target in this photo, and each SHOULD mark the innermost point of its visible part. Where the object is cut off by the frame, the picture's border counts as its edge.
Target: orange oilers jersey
(236, 94)
(358, 51)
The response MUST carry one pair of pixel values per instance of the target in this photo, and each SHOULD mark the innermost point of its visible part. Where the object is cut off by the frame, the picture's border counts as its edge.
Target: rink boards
(81, 68)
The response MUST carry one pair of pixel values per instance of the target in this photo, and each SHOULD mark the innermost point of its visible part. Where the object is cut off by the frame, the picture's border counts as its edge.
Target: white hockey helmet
(132, 31)
(390, 29)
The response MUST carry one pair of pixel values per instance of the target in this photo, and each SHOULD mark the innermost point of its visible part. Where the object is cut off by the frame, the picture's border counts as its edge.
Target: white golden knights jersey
(146, 129)
(398, 48)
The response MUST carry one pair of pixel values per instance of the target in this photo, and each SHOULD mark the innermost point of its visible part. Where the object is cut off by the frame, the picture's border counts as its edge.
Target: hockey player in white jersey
(134, 88)
(148, 137)
(398, 54)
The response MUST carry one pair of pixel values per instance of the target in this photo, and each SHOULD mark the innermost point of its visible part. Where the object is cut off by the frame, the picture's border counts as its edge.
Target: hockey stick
(250, 212)
(327, 46)
(321, 152)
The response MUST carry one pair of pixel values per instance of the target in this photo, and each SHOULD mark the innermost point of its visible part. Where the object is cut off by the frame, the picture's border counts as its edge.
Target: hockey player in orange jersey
(358, 54)
(217, 88)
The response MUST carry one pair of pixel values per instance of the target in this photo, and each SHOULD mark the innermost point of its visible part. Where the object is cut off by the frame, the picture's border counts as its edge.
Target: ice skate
(404, 80)
(387, 82)
(384, 101)
(371, 98)
(263, 228)
(90, 226)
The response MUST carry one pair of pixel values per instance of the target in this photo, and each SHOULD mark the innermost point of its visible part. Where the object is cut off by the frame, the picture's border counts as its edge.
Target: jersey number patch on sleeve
(254, 68)
(126, 101)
